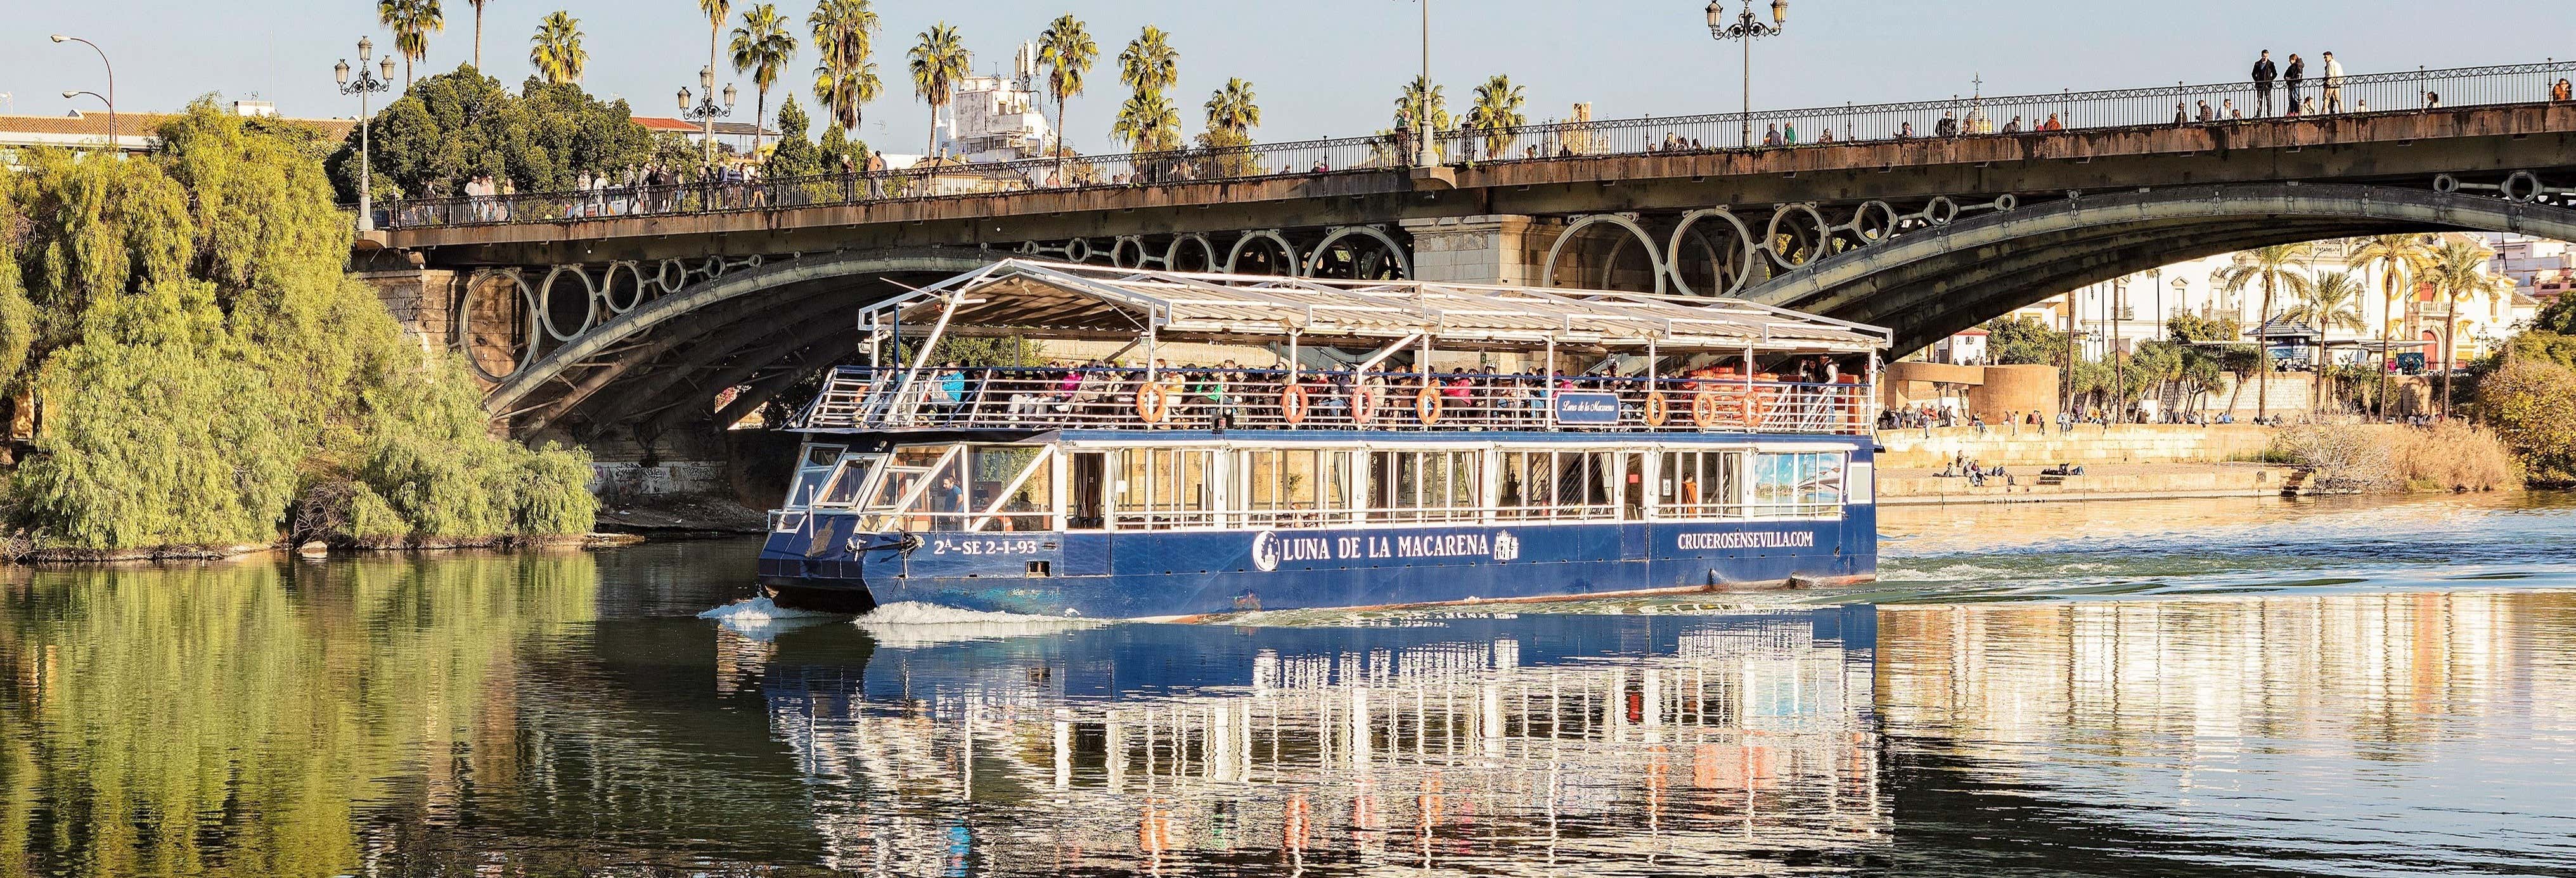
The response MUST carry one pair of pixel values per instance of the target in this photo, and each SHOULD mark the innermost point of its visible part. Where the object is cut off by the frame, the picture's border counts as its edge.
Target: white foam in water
(912, 623)
(759, 611)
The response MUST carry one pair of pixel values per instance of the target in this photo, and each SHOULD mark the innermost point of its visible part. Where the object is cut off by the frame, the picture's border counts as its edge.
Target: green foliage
(2016, 340)
(795, 155)
(199, 355)
(837, 152)
(2537, 344)
(2559, 317)
(2531, 403)
(451, 128)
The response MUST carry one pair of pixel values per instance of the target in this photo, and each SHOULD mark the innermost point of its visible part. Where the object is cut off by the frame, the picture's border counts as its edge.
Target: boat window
(846, 481)
(1699, 484)
(1161, 488)
(1012, 487)
(816, 469)
(1804, 483)
(1556, 485)
(1287, 487)
(1425, 485)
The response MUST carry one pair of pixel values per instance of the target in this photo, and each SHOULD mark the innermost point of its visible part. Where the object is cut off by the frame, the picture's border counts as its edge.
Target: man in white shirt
(2333, 84)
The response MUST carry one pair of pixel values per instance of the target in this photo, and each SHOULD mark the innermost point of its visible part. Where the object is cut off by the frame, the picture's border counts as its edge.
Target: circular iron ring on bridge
(1730, 274)
(1654, 259)
(1811, 239)
(1207, 251)
(545, 302)
(1286, 266)
(608, 286)
(671, 275)
(1873, 222)
(1359, 268)
(462, 324)
(1126, 244)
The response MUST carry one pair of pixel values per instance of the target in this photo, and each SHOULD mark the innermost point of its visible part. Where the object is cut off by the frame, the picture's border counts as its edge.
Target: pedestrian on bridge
(2264, 73)
(2332, 83)
(2297, 73)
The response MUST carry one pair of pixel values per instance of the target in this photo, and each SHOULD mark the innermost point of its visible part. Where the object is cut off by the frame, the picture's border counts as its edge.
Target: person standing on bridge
(2297, 73)
(2332, 83)
(2264, 73)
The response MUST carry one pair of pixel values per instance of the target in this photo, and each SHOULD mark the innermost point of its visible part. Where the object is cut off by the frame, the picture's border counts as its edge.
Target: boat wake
(760, 611)
(911, 623)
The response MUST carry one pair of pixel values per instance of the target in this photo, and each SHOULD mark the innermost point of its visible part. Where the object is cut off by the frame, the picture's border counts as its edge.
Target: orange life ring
(1152, 403)
(1363, 404)
(1292, 404)
(1658, 409)
(1704, 408)
(1426, 404)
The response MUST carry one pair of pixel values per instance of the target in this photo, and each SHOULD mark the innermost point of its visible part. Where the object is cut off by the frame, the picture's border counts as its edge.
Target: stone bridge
(600, 327)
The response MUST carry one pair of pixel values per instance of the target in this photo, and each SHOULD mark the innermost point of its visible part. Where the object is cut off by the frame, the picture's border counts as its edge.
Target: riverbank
(2147, 481)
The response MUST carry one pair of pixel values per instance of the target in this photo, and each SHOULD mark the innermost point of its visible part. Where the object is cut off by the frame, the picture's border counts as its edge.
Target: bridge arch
(732, 325)
(1937, 281)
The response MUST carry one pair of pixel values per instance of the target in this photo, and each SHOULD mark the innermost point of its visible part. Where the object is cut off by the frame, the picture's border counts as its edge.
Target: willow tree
(761, 47)
(201, 359)
(1066, 51)
(845, 80)
(2276, 269)
(556, 51)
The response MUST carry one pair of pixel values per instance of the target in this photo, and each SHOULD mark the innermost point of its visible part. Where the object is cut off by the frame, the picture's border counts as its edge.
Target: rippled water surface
(2186, 687)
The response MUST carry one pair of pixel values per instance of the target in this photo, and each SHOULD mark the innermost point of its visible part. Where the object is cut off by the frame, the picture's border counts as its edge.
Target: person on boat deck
(1031, 393)
(1090, 385)
(1458, 394)
(1172, 386)
(948, 392)
(1213, 387)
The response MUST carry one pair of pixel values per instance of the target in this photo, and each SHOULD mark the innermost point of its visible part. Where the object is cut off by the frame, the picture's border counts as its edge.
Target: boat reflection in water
(1612, 743)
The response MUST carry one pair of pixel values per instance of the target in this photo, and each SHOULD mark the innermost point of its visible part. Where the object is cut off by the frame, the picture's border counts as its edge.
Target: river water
(2221, 687)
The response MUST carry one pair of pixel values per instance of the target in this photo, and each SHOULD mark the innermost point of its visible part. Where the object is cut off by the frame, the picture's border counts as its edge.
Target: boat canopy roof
(1059, 300)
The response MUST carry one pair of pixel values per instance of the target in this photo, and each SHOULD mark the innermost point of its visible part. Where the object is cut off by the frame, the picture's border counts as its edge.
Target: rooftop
(1047, 299)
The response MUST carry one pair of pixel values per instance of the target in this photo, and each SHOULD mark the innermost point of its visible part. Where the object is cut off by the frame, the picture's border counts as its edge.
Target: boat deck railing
(874, 398)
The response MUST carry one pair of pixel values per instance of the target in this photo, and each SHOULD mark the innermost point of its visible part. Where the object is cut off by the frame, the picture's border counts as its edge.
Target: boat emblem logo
(1506, 546)
(1265, 551)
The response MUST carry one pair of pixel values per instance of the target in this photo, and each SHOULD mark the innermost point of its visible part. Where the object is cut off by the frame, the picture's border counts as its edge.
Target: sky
(1321, 68)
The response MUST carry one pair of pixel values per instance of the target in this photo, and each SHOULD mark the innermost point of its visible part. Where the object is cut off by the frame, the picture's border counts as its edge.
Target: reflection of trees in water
(243, 718)
(2156, 734)
(1730, 743)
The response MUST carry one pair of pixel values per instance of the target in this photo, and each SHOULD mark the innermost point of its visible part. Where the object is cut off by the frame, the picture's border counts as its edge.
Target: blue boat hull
(1160, 574)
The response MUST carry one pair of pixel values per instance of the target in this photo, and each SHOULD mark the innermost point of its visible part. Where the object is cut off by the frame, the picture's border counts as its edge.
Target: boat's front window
(964, 488)
(850, 478)
(811, 474)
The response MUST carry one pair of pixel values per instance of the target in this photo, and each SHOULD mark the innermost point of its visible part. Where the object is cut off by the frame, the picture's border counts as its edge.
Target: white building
(997, 118)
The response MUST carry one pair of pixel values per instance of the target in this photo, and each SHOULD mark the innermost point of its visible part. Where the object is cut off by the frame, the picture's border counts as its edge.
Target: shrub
(2532, 403)
(2447, 457)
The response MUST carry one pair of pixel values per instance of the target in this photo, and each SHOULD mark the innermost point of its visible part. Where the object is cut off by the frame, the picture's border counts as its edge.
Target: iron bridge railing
(1977, 116)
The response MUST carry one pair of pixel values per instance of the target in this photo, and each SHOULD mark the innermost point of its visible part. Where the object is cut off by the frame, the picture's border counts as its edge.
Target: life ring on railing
(1704, 408)
(1363, 405)
(1292, 404)
(1658, 409)
(1426, 404)
(1152, 403)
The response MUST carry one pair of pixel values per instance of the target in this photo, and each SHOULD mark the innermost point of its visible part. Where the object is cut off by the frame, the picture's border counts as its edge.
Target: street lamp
(367, 82)
(109, 97)
(706, 110)
(1746, 28)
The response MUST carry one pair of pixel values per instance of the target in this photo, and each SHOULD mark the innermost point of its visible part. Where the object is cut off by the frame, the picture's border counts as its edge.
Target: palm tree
(844, 79)
(1233, 110)
(1497, 111)
(2332, 302)
(1148, 122)
(2277, 269)
(2458, 273)
(1150, 64)
(556, 50)
(2401, 259)
(412, 21)
(938, 60)
(1412, 100)
(761, 46)
(478, 33)
(1066, 49)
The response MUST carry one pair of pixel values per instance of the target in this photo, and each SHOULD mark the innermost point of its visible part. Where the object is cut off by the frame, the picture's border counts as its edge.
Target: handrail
(2381, 93)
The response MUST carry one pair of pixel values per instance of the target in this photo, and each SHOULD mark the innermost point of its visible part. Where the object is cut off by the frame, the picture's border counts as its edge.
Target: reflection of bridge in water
(608, 322)
(1533, 744)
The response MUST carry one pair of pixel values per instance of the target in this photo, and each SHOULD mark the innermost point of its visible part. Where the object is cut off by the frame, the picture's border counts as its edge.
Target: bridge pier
(1488, 249)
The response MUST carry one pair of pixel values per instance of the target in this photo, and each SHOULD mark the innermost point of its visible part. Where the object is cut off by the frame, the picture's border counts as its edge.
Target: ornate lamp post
(366, 83)
(1746, 28)
(706, 111)
(109, 97)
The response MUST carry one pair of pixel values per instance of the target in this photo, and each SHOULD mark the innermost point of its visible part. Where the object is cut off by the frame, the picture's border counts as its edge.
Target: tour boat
(1398, 443)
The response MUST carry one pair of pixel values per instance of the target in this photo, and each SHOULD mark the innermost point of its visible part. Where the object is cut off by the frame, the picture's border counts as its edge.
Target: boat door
(1632, 506)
